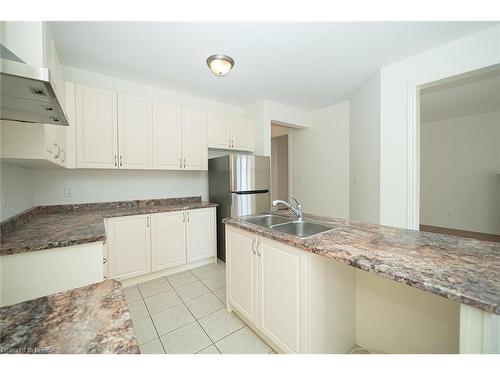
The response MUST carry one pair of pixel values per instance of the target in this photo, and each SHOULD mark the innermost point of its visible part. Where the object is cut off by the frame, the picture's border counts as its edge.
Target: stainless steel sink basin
(267, 220)
(301, 229)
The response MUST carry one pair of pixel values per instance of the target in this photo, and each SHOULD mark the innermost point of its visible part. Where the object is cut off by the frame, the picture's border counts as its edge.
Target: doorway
(460, 156)
(280, 169)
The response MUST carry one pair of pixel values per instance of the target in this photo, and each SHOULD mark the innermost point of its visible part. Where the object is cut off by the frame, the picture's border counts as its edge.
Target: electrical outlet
(68, 192)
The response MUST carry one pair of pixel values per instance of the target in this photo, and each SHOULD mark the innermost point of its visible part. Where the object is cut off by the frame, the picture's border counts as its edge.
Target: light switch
(356, 177)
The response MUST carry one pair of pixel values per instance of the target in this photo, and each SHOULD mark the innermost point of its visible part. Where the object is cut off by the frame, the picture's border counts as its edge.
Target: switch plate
(68, 192)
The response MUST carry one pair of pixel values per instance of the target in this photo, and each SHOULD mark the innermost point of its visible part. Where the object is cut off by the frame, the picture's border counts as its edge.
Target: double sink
(301, 229)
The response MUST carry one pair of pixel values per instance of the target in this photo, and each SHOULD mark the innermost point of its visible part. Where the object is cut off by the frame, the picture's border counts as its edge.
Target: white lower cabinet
(200, 234)
(129, 247)
(267, 284)
(242, 288)
(142, 244)
(282, 287)
(168, 240)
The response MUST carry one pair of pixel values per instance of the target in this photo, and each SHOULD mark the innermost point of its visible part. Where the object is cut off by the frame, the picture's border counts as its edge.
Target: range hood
(26, 92)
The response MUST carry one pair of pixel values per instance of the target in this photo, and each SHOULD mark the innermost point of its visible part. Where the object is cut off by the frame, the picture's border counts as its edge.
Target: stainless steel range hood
(26, 92)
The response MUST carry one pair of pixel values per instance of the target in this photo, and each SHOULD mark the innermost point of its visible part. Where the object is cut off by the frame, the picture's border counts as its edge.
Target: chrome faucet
(297, 210)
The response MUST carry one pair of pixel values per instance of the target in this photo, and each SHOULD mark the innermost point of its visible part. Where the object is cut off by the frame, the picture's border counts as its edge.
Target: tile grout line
(201, 281)
(150, 317)
(222, 338)
(195, 318)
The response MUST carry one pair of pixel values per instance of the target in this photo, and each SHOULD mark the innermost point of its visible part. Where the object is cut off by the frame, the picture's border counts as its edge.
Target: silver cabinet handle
(258, 244)
(64, 157)
(187, 216)
(253, 246)
(58, 151)
(104, 260)
(147, 221)
(180, 162)
(184, 217)
(116, 164)
(184, 162)
(121, 160)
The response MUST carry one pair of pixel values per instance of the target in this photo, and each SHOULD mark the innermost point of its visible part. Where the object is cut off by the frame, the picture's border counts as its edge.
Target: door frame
(413, 140)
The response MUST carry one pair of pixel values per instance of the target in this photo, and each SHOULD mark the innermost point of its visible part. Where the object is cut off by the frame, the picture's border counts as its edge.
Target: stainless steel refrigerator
(240, 184)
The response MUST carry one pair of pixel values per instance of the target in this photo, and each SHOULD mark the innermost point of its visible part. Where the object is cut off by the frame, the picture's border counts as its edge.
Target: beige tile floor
(185, 313)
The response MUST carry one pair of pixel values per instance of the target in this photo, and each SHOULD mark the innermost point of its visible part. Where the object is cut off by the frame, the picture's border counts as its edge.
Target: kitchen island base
(300, 302)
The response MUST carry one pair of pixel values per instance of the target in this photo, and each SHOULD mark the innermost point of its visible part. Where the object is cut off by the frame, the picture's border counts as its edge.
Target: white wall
(105, 185)
(473, 52)
(364, 150)
(266, 112)
(320, 162)
(279, 168)
(16, 185)
(460, 173)
(25, 40)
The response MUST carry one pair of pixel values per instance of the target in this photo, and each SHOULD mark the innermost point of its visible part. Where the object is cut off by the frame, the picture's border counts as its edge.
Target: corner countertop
(49, 227)
(92, 319)
(460, 269)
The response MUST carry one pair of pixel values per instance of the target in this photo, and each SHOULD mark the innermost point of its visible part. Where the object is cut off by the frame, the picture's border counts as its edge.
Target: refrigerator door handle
(251, 192)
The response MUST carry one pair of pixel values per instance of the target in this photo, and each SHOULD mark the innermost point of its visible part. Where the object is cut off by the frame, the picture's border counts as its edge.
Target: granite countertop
(92, 319)
(460, 269)
(50, 227)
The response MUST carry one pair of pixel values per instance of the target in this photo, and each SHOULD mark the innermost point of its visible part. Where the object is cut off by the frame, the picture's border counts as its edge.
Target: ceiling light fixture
(220, 64)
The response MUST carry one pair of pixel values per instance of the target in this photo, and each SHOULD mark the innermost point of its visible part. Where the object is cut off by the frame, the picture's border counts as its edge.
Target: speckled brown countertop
(92, 319)
(460, 269)
(50, 227)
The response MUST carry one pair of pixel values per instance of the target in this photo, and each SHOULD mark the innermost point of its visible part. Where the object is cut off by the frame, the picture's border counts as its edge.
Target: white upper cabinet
(194, 139)
(241, 133)
(229, 132)
(96, 125)
(135, 132)
(167, 136)
(218, 130)
(32, 145)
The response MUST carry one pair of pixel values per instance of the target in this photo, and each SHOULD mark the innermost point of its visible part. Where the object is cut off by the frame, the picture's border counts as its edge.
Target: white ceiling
(466, 96)
(304, 65)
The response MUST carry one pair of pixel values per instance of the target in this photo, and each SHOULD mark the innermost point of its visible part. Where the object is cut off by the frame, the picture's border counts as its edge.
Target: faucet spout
(297, 210)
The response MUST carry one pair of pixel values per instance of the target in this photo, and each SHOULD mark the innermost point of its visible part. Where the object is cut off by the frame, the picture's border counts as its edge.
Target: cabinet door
(96, 128)
(129, 248)
(135, 132)
(241, 133)
(282, 298)
(200, 234)
(167, 136)
(218, 130)
(194, 139)
(168, 240)
(242, 273)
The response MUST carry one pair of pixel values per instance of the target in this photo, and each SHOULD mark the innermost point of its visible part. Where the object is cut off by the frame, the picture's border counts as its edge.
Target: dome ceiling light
(220, 64)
